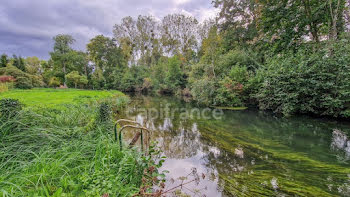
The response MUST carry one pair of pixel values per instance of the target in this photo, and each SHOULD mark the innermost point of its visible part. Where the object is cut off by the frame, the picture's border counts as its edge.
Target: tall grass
(4, 87)
(65, 152)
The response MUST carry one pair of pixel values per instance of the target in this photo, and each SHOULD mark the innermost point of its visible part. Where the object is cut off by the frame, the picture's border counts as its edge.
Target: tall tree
(238, 20)
(179, 35)
(108, 57)
(19, 63)
(148, 35)
(60, 54)
(174, 75)
(4, 60)
(126, 35)
(33, 65)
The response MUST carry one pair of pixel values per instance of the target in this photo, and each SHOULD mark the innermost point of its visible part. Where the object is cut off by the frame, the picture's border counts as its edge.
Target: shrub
(23, 83)
(234, 58)
(228, 93)
(23, 80)
(309, 82)
(54, 82)
(203, 91)
(7, 79)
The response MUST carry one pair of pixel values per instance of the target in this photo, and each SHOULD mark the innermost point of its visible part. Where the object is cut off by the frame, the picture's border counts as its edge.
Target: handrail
(122, 120)
(129, 126)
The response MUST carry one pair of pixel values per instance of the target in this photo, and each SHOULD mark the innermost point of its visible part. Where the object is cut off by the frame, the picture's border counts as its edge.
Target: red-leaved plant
(6, 79)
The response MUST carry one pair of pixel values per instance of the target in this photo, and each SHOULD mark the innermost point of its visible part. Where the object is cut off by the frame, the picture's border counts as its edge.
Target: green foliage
(104, 112)
(76, 79)
(18, 62)
(66, 152)
(133, 78)
(174, 76)
(158, 73)
(97, 79)
(23, 80)
(309, 82)
(3, 60)
(54, 82)
(9, 108)
(33, 65)
(23, 83)
(109, 61)
(62, 52)
(203, 91)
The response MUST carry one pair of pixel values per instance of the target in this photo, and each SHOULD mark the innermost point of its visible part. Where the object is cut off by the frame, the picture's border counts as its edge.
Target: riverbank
(66, 147)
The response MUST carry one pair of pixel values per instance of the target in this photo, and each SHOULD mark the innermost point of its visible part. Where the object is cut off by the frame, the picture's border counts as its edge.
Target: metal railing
(135, 126)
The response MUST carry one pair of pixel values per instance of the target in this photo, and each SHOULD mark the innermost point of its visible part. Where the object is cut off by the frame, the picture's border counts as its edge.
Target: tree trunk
(64, 72)
(333, 32)
(312, 25)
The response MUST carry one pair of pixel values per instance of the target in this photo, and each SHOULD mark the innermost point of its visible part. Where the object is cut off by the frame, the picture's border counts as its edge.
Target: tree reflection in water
(251, 152)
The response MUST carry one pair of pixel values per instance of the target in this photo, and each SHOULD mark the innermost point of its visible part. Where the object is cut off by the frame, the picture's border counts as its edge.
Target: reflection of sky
(185, 148)
(341, 142)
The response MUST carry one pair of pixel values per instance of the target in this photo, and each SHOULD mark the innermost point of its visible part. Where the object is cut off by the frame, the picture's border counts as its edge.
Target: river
(247, 153)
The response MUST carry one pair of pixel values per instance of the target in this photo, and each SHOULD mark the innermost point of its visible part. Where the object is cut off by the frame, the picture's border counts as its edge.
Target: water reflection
(341, 142)
(252, 153)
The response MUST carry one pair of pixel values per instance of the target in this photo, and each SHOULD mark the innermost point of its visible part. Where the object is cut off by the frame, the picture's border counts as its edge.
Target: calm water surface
(250, 153)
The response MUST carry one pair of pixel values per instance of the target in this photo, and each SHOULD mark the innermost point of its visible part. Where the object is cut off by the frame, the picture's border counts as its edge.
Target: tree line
(285, 56)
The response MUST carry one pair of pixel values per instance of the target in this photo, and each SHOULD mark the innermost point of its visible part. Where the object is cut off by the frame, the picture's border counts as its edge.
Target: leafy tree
(126, 34)
(18, 62)
(33, 65)
(76, 79)
(108, 58)
(238, 21)
(61, 52)
(3, 60)
(179, 34)
(174, 76)
(98, 81)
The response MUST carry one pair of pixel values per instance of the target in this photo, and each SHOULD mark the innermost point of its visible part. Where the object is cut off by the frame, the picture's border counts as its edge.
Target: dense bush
(315, 82)
(203, 91)
(223, 84)
(23, 83)
(23, 80)
(54, 82)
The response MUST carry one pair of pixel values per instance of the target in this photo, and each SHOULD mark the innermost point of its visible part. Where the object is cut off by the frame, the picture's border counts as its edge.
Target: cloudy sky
(27, 26)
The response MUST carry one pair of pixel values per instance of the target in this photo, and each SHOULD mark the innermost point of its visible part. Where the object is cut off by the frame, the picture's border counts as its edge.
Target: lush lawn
(45, 97)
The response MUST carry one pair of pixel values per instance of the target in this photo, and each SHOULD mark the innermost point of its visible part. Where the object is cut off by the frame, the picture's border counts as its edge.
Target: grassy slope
(53, 97)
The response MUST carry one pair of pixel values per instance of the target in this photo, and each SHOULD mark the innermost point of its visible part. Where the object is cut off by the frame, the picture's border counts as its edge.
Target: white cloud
(24, 23)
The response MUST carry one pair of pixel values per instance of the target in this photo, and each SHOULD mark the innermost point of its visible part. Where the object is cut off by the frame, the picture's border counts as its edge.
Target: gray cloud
(27, 27)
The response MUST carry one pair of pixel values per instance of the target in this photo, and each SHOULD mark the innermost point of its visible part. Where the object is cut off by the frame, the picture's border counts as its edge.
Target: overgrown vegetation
(275, 55)
(67, 151)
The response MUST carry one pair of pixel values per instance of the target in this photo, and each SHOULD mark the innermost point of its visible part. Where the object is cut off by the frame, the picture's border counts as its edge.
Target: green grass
(66, 151)
(53, 97)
